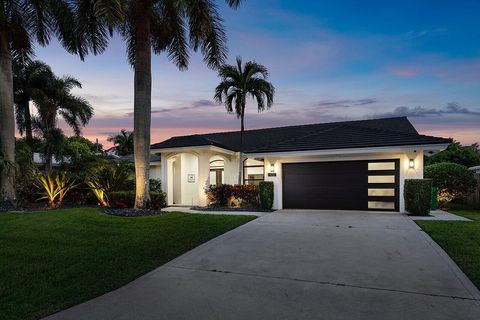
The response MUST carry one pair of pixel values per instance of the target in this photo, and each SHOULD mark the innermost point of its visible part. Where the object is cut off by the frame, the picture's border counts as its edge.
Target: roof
(322, 136)
(129, 158)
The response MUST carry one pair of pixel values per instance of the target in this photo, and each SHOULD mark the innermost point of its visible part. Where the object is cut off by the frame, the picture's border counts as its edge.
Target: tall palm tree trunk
(240, 166)
(28, 124)
(7, 120)
(142, 104)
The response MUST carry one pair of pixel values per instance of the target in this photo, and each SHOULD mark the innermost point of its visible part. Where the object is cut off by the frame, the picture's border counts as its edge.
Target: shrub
(54, 187)
(126, 199)
(155, 185)
(265, 190)
(158, 200)
(121, 199)
(109, 178)
(418, 195)
(219, 195)
(453, 180)
(245, 196)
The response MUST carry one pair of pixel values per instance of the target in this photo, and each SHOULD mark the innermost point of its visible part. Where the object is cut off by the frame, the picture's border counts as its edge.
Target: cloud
(192, 105)
(450, 109)
(349, 103)
(425, 33)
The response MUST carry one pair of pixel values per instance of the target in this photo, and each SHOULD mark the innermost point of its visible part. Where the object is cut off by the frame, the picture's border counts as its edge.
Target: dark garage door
(342, 185)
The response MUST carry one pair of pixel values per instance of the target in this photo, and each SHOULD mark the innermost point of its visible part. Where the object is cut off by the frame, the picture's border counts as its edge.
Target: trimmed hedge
(236, 196)
(418, 196)
(265, 190)
(126, 199)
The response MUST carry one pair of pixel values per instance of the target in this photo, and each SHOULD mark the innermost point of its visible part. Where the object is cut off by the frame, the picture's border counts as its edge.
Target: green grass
(56, 259)
(460, 239)
(470, 214)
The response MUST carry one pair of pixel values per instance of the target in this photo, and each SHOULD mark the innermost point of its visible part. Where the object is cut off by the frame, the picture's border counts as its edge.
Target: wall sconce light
(272, 168)
(411, 164)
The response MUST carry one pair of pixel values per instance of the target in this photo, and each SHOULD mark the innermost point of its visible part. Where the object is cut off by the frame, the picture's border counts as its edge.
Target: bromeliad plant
(99, 192)
(54, 187)
(108, 179)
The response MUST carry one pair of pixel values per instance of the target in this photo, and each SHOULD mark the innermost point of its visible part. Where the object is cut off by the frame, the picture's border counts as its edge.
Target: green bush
(158, 200)
(121, 199)
(418, 195)
(265, 190)
(126, 199)
(453, 181)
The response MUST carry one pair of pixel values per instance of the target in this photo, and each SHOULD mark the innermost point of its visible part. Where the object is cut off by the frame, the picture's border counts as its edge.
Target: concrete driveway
(301, 265)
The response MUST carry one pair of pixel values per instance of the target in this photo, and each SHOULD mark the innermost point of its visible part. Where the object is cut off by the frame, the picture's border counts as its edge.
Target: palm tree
(57, 100)
(81, 26)
(122, 142)
(174, 27)
(30, 79)
(237, 84)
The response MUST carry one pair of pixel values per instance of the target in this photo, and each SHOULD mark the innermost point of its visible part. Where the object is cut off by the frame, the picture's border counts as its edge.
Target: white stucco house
(353, 165)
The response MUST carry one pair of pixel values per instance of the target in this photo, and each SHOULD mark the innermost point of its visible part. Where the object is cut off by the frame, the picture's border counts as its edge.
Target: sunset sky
(330, 60)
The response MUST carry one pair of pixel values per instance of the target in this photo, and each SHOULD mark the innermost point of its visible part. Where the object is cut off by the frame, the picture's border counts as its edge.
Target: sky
(329, 60)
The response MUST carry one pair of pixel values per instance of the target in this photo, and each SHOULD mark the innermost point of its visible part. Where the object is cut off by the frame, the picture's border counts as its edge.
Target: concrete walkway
(300, 265)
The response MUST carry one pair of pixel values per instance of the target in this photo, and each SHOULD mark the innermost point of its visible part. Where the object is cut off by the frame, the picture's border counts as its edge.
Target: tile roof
(322, 136)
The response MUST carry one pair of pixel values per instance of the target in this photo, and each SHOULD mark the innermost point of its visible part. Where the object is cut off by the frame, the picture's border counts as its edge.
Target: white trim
(369, 150)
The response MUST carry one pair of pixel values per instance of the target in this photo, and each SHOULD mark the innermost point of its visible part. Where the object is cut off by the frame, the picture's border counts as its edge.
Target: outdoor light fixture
(411, 164)
(272, 168)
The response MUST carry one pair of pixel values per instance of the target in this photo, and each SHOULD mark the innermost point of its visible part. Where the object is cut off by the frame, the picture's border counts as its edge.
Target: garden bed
(215, 208)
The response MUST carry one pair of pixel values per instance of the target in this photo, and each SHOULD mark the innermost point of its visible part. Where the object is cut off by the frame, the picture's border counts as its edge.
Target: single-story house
(351, 165)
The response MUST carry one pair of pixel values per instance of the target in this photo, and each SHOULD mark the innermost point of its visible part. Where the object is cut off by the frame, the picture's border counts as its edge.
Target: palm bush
(110, 178)
(54, 187)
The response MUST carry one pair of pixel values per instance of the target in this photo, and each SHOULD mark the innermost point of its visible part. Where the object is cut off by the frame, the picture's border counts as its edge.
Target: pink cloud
(405, 72)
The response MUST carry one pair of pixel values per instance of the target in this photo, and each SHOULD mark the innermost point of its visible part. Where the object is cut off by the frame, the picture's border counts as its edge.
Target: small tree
(453, 180)
(456, 153)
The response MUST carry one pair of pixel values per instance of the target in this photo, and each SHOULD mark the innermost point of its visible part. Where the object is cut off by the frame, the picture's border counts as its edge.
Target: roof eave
(362, 150)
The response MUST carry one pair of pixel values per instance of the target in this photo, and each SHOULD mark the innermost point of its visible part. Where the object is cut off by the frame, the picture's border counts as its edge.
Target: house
(352, 165)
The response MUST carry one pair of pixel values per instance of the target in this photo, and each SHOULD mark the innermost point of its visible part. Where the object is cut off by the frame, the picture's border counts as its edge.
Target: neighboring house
(39, 160)
(354, 165)
(474, 198)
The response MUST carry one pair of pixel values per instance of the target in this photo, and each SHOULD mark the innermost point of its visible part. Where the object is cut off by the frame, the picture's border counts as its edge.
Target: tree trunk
(240, 165)
(48, 159)
(142, 104)
(28, 124)
(7, 120)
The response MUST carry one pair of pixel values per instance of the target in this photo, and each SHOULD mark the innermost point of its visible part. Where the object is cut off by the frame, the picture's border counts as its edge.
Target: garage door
(342, 185)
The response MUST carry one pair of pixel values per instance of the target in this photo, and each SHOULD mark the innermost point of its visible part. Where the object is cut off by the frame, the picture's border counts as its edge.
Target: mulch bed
(232, 209)
(128, 212)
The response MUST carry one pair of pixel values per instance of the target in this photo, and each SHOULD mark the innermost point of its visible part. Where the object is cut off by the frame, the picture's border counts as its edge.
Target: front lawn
(53, 260)
(460, 239)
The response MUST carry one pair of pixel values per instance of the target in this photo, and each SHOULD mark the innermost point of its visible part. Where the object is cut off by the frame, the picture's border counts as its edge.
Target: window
(217, 166)
(381, 179)
(253, 171)
(381, 205)
(381, 192)
(381, 166)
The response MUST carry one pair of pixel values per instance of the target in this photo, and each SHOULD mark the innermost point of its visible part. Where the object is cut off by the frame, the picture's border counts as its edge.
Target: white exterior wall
(189, 190)
(405, 171)
(155, 171)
